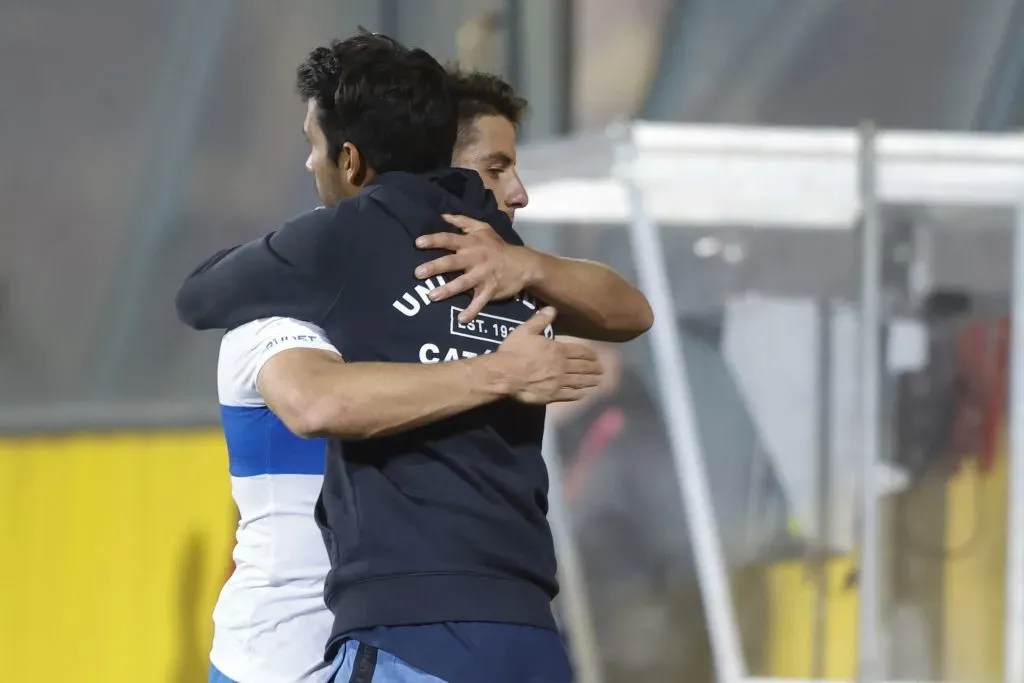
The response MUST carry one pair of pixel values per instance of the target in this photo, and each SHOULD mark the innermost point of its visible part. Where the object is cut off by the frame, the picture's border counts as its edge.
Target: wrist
(492, 375)
(532, 266)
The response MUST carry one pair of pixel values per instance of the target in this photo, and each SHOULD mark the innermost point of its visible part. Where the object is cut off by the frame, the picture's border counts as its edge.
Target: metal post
(869, 574)
(582, 638)
(566, 61)
(536, 53)
(514, 43)
(1013, 646)
(389, 16)
(179, 99)
(823, 546)
(681, 423)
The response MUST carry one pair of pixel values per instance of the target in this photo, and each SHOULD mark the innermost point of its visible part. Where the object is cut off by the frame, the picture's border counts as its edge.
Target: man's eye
(494, 172)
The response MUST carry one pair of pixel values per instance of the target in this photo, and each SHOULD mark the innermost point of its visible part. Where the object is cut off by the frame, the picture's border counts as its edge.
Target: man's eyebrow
(499, 159)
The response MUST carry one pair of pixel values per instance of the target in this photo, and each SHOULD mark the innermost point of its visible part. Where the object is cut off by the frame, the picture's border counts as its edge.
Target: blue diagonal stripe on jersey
(259, 443)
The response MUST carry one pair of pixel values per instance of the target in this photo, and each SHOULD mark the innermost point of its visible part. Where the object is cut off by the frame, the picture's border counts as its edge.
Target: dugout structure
(650, 176)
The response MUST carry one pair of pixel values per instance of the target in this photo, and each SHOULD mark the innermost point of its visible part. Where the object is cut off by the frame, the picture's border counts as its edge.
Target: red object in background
(981, 367)
(598, 437)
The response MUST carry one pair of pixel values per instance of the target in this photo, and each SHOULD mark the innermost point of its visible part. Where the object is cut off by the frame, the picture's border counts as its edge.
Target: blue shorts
(459, 652)
(359, 663)
(217, 676)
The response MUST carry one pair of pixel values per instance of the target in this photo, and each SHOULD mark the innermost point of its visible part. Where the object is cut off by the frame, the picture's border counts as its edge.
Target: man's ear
(353, 165)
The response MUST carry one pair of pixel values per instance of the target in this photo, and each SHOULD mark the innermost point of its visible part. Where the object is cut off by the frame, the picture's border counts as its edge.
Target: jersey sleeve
(246, 349)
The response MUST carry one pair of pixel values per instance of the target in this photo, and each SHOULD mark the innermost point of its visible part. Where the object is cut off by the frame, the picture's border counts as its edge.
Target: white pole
(1013, 646)
(869, 574)
(823, 547)
(574, 596)
(681, 423)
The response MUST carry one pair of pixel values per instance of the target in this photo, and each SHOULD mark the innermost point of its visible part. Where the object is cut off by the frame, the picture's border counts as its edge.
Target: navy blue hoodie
(442, 523)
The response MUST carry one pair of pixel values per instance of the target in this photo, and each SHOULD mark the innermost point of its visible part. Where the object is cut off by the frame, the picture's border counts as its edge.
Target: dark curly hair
(482, 94)
(393, 103)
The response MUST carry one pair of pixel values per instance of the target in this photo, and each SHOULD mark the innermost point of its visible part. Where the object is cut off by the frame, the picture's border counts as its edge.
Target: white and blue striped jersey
(270, 623)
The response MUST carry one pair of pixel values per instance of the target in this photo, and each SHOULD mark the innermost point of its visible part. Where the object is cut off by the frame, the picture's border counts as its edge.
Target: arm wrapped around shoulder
(292, 273)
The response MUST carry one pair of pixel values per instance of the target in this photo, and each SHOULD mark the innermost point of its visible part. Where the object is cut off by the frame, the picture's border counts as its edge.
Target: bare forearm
(593, 301)
(367, 400)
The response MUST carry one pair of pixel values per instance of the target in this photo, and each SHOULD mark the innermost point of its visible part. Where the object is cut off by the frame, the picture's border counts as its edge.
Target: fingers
(566, 395)
(581, 381)
(465, 223)
(539, 321)
(573, 350)
(440, 240)
(481, 297)
(461, 284)
(451, 263)
(583, 367)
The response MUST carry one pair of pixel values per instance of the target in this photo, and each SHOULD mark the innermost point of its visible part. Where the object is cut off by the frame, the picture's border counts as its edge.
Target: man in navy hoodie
(434, 497)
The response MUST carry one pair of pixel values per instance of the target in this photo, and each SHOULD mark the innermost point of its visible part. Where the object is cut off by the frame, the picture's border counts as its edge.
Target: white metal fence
(652, 176)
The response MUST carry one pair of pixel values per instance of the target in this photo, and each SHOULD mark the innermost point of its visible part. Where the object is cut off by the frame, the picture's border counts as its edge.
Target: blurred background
(140, 136)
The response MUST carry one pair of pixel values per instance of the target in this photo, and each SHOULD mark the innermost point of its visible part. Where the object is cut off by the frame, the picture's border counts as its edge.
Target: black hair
(393, 103)
(481, 94)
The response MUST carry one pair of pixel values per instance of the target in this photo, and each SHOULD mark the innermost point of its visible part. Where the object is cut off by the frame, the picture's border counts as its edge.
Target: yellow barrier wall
(114, 549)
(975, 576)
(791, 622)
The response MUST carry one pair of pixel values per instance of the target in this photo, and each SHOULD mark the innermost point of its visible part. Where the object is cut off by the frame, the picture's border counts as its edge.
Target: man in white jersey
(271, 623)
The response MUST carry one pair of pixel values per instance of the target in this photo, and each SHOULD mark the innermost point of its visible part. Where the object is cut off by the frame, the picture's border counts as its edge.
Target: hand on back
(544, 370)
